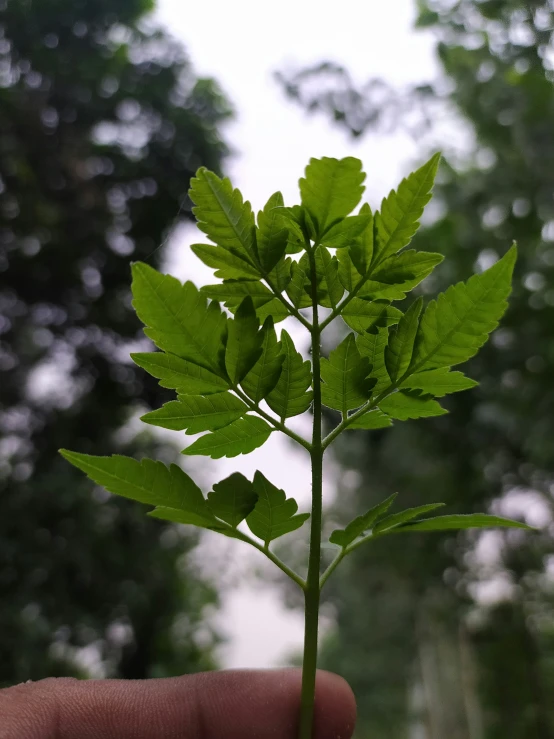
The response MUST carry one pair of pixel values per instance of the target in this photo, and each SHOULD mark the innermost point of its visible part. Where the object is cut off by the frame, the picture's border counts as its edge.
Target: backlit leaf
(228, 266)
(299, 287)
(232, 499)
(264, 375)
(329, 287)
(372, 346)
(178, 319)
(360, 525)
(395, 519)
(233, 292)
(290, 396)
(439, 382)
(240, 437)
(272, 234)
(345, 374)
(362, 315)
(405, 404)
(197, 413)
(274, 513)
(244, 341)
(180, 375)
(375, 419)
(399, 351)
(344, 233)
(457, 522)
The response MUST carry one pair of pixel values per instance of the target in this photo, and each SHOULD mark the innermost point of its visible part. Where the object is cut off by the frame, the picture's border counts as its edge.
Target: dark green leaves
(232, 499)
(244, 342)
(457, 324)
(290, 396)
(180, 375)
(398, 353)
(360, 525)
(274, 514)
(239, 437)
(461, 521)
(272, 233)
(345, 375)
(439, 382)
(197, 413)
(178, 319)
(362, 315)
(406, 404)
(331, 189)
(264, 375)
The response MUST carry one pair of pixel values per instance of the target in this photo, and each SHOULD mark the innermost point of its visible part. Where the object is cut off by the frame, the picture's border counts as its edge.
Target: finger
(235, 704)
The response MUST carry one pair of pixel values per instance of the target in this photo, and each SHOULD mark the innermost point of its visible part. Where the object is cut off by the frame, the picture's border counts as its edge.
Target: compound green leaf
(361, 250)
(197, 413)
(372, 346)
(331, 189)
(395, 519)
(290, 396)
(180, 375)
(273, 309)
(240, 437)
(456, 325)
(233, 499)
(399, 274)
(362, 315)
(299, 288)
(457, 522)
(178, 319)
(375, 419)
(272, 234)
(345, 375)
(398, 354)
(222, 215)
(345, 232)
(438, 382)
(233, 292)
(406, 404)
(280, 275)
(244, 341)
(362, 524)
(146, 481)
(348, 274)
(176, 516)
(398, 219)
(274, 513)
(329, 288)
(264, 375)
(228, 265)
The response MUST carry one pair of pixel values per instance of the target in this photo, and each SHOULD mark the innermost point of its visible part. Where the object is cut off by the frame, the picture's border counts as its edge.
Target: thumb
(235, 704)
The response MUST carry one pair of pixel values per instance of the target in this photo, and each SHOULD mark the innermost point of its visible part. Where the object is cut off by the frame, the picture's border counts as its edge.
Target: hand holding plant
(239, 382)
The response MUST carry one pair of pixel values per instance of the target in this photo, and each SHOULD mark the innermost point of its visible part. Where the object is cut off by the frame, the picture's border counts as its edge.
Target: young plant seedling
(237, 381)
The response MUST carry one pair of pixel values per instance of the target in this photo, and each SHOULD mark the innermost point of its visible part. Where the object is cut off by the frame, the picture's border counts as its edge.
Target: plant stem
(311, 594)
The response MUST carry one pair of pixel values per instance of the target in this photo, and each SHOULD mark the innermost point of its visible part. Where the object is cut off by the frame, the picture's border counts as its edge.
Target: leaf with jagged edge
(348, 274)
(239, 437)
(372, 346)
(178, 319)
(146, 481)
(272, 236)
(290, 396)
(374, 419)
(360, 525)
(399, 274)
(361, 250)
(274, 309)
(461, 521)
(178, 374)
(398, 219)
(395, 519)
(264, 375)
(197, 413)
(280, 275)
(295, 218)
(456, 324)
(439, 382)
(233, 292)
(407, 404)
(345, 385)
(331, 189)
(299, 287)
(345, 232)
(228, 265)
(233, 499)
(329, 288)
(244, 341)
(362, 315)
(274, 513)
(222, 214)
(399, 351)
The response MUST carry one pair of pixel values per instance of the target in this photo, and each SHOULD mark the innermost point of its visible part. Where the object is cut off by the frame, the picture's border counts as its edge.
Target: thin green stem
(278, 425)
(269, 554)
(312, 590)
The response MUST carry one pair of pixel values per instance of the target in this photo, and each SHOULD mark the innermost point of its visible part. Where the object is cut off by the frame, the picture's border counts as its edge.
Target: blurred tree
(454, 636)
(102, 123)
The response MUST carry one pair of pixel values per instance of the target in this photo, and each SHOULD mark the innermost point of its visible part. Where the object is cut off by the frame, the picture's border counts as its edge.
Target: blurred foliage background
(446, 636)
(102, 123)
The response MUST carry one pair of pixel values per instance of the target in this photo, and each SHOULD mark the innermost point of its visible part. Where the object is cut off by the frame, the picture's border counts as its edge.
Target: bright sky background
(241, 44)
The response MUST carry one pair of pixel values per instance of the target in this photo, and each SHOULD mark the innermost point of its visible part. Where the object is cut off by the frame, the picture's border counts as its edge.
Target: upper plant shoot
(237, 379)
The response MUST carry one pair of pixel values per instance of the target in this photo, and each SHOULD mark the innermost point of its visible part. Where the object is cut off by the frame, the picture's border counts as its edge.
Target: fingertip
(335, 707)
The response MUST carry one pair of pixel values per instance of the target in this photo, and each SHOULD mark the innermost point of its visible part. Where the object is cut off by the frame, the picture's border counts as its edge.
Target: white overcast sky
(241, 44)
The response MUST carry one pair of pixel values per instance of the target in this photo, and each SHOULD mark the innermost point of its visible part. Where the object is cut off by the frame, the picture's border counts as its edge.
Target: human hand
(232, 704)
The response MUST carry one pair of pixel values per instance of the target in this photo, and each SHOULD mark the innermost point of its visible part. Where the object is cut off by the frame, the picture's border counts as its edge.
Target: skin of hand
(231, 704)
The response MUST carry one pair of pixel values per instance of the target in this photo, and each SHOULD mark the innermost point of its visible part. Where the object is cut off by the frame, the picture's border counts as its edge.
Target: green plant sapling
(237, 381)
